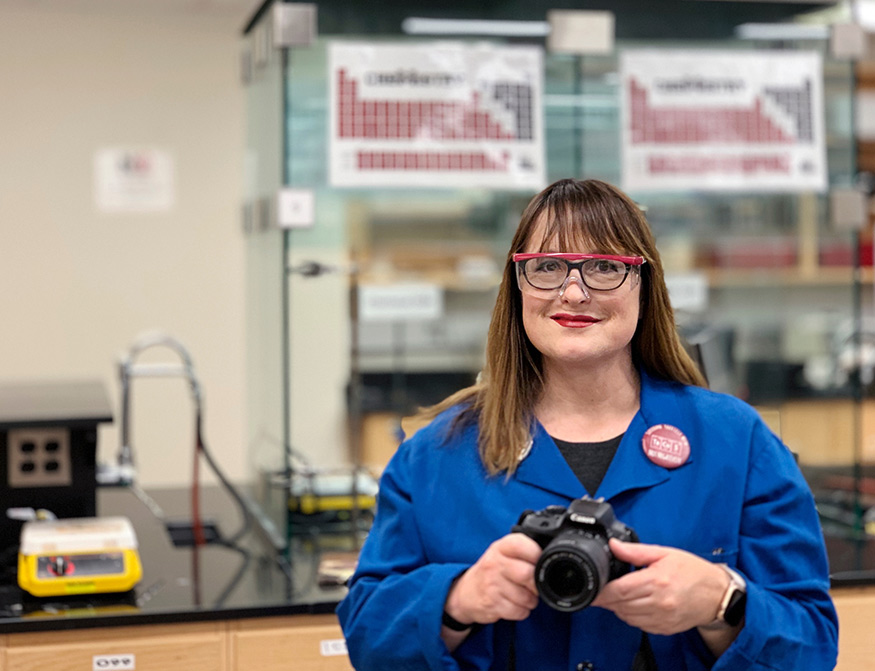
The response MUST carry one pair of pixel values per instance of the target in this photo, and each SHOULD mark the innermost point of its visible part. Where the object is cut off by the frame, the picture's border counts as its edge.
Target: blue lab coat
(739, 499)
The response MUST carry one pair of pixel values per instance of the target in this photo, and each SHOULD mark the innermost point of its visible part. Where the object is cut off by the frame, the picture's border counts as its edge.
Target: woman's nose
(573, 279)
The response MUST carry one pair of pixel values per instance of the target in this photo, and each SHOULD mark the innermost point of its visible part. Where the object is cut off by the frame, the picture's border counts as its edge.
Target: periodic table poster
(722, 121)
(437, 114)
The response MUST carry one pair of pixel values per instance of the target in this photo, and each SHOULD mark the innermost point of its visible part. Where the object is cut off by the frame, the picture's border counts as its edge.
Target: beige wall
(77, 285)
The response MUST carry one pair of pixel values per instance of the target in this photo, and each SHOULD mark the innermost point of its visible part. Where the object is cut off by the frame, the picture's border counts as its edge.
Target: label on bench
(109, 662)
(333, 646)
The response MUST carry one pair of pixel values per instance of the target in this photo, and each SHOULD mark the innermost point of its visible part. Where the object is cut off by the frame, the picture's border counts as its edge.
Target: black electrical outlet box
(48, 449)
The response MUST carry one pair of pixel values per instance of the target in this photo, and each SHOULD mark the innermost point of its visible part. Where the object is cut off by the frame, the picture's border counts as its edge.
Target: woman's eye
(606, 267)
(549, 266)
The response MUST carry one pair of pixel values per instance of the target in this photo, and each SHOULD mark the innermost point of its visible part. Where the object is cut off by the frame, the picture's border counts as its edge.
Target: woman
(588, 390)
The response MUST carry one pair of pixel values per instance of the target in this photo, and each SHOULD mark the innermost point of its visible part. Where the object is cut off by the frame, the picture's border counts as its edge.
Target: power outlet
(39, 458)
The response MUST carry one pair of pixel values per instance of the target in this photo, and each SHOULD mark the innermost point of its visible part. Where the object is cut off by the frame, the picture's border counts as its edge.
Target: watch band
(452, 623)
(732, 606)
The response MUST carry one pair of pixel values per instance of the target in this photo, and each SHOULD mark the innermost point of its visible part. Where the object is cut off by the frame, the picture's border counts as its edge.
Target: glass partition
(267, 401)
(773, 297)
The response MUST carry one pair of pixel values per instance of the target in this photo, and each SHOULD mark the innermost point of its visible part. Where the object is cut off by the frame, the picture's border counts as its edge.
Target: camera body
(576, 561)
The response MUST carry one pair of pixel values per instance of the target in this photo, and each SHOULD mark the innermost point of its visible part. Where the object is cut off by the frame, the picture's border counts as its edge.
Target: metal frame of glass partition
(388, 370)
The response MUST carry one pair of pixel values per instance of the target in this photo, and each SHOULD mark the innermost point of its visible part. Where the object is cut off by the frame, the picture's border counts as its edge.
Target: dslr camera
(576, 561)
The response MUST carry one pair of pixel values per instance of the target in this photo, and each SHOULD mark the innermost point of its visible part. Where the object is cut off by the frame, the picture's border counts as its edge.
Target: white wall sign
(400, 302)
(439, 114)
(722, 121)
(296, 208)
(133, 180)
(580, 31)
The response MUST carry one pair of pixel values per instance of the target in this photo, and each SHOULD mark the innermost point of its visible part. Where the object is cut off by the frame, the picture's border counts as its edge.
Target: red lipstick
(574, 321)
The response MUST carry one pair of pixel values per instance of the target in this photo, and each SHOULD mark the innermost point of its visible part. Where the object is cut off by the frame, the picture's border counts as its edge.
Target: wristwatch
(452, 623)
(732, 605)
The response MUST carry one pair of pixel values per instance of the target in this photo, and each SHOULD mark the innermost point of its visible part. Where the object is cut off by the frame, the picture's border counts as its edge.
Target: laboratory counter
(215, 581)
(218, 607)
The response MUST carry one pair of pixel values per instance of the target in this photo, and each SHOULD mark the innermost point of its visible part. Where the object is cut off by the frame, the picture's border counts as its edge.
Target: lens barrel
(572, 570)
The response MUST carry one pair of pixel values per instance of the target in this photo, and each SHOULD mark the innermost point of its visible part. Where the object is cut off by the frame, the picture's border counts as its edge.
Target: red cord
(197, 527)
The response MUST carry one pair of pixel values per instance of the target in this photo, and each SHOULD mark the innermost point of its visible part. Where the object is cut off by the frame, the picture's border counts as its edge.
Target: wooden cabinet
(300, 642)
(309, 643)
(380, 436)
(176, 647)
(856, 609)
(822, 432)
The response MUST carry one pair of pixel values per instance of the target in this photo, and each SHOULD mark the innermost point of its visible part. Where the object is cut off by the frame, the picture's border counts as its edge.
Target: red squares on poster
(672, 125)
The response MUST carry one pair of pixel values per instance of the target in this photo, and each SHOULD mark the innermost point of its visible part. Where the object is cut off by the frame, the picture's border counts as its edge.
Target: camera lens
(571, 571)
(565, 578)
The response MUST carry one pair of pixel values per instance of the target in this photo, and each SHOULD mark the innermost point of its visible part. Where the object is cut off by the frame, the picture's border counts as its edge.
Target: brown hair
(578, 214)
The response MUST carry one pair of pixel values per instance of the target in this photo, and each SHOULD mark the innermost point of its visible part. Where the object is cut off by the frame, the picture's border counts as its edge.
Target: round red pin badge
(666, 445)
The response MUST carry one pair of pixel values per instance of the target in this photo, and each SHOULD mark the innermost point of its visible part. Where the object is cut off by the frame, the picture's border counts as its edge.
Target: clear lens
(546, 273)
(603, 273)
(550, 272)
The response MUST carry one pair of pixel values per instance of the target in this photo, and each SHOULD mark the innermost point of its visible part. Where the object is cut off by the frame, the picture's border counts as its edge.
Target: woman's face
(578, 325)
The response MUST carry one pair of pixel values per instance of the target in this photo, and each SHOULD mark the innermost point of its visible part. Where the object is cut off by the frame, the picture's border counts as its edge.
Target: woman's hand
(673, 592)
(500, 585)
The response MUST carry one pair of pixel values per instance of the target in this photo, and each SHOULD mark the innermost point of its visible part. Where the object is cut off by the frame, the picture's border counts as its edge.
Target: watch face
(735, 610)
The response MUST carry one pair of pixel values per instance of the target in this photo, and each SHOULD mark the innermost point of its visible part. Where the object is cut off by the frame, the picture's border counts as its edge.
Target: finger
(520, 546)
(633, 586)
(522, 598)
(521, 574)
(635, 608)
(638, 554)
(510, 603)
(515, 612)
(645, 616)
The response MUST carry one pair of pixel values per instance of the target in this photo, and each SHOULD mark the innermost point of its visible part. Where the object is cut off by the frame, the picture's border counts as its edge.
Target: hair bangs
(581, 229)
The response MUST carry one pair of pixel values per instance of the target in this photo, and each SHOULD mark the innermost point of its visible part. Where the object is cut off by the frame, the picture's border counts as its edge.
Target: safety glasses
(600, 272)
